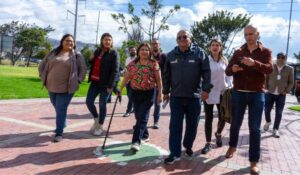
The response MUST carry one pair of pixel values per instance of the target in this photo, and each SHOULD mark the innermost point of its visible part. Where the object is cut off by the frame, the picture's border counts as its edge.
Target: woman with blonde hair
(220, 82)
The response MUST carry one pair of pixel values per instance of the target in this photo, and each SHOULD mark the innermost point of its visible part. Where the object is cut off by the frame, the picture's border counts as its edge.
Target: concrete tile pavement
(26, 131)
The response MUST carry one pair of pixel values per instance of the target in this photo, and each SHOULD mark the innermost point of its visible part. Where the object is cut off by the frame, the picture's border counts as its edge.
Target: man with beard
(132, 56)
(160, 58)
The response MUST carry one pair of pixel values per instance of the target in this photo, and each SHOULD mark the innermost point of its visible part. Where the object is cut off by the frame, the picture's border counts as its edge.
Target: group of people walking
(184, 78)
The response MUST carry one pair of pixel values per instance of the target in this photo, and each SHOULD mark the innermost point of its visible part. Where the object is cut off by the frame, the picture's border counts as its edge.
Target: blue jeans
(129, 95)
(279, 101)
(180, 107)
(93, 92)
(255, 102)
(156, 113)
(60, 101)
(142, 101)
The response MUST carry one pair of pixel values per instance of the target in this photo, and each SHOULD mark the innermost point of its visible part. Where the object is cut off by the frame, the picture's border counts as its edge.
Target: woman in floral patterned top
(144, 75)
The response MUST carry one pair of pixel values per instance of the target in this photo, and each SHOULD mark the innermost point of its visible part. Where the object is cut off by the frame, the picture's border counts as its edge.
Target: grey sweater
(77, 73)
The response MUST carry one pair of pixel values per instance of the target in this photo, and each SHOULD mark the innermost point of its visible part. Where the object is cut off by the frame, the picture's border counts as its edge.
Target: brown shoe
(254, 170)
(230, 152)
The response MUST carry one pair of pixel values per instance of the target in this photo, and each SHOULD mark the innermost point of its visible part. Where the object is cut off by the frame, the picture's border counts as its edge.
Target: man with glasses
(278, 84)
(184, 68)
(248, 66)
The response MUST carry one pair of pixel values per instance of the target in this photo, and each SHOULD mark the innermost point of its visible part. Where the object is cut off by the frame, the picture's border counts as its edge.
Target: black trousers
(209, 108)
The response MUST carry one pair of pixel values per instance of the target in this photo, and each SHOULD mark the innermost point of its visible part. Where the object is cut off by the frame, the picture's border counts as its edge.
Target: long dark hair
(60, 47)
(137, 59)
(103, 36)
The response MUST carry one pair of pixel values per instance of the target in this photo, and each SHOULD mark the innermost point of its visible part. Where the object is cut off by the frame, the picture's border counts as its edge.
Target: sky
(271, 17)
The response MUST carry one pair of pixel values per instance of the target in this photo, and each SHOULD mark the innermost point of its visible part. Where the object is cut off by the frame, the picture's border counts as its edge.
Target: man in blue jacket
(185, 68)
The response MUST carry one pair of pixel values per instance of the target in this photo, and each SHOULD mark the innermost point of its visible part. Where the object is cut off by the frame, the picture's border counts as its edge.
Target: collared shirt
(251, 78)
(128, 60)
(218, 79)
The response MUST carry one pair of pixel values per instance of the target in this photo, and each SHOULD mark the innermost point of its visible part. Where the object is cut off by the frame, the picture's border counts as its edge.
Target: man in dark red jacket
(248, 66)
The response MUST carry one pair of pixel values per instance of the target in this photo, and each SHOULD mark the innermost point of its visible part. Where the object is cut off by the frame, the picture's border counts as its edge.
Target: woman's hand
(159, 98)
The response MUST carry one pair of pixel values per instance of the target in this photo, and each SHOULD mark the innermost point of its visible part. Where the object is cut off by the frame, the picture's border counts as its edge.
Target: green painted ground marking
(120, 152)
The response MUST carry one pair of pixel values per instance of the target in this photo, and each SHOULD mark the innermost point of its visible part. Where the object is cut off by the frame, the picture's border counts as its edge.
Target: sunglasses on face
(281, 58)
(182, 37)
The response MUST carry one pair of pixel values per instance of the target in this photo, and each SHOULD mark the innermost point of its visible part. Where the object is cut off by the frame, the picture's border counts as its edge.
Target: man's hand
(109, 90)
(248, 61)
(166, 98)
(204, 96)
(236, 68)
(119, 96)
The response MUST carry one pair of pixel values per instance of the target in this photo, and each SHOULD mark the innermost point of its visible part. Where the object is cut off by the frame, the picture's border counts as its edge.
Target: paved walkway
(26, 131)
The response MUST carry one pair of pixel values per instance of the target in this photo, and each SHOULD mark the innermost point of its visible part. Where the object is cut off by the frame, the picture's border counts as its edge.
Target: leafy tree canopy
(27, 38)
(134, 24)
(221, 25)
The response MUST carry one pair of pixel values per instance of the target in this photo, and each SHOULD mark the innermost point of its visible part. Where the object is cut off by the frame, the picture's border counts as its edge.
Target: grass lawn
(295, 108)
(24, 82)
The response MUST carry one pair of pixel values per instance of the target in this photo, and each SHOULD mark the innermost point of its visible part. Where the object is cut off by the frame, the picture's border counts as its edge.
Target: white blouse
(219, 80)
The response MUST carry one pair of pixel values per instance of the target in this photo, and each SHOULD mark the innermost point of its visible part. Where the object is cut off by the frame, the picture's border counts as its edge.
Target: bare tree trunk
(29, 57)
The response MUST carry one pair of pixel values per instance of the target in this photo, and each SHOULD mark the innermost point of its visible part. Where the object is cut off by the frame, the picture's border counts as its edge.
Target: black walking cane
(99, 151)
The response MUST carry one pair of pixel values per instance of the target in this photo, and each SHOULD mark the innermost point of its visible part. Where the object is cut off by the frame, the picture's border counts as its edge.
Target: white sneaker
(276, 133)
(266, 126)
(95, 125)
(98, 130)
(145, 140)
(135, 147)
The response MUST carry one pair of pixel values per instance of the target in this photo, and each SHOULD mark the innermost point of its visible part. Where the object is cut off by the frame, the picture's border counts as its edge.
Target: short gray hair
(186, 31)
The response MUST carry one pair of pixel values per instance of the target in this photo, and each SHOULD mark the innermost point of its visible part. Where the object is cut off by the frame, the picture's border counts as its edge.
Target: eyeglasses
(281, 58)
(182, 37)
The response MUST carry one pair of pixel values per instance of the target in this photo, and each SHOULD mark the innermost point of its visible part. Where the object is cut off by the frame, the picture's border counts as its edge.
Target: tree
(41, 53)
(221, 25)
(297, 56)
(31, 39)
(13, 29)
(152, 13)
(87, 53)
(27, 39)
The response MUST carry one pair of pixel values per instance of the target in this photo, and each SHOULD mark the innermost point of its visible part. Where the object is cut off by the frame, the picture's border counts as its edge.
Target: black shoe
(218, 140)
(171, 159)
(57, 138)
(155, 126)
(206, 148)
(189, 152)
(126, 114)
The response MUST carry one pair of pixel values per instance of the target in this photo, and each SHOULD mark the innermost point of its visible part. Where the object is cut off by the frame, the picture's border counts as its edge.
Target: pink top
(142, 76)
